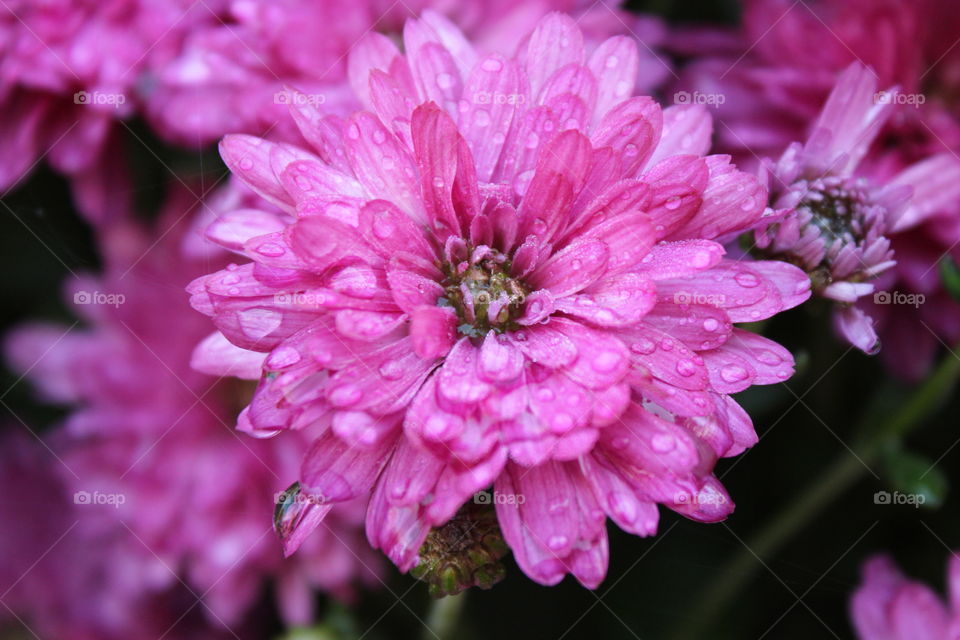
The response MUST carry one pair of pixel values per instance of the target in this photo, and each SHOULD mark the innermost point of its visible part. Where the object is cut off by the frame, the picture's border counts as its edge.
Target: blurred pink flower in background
(504, 272)
(195, 499)
(68, 72)
(838, 219)
(889, 606)
(232, 75)
(774, 84)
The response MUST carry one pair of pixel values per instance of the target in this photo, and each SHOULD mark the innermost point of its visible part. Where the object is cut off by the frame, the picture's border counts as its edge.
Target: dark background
(653, 584)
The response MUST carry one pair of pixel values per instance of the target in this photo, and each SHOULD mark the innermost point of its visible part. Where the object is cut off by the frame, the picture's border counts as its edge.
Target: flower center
(841, 211)
(483, 293)
(837, 233)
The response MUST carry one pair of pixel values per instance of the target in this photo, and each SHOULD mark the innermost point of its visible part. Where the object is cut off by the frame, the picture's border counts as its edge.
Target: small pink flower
(889, 606)
(837, 219)
(504, 272)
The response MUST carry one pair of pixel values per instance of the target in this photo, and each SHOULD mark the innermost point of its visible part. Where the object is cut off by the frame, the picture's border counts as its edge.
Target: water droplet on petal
(733, 373)
(686, 368)
(663, 443)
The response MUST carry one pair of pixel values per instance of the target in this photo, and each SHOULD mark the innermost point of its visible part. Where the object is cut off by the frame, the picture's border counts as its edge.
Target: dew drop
(663, 443)
(686, 368)
(733, 373)
(643, 346)
(747, 280)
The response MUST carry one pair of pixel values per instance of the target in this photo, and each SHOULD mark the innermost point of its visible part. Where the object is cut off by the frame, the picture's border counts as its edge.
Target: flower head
(504, 273)
(839, 214)
(889, 606)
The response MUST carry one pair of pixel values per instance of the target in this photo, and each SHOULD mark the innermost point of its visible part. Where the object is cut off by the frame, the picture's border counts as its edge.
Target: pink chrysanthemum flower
(232, 75)
(68, 73)
(504, 273)
(838, 219)
(889, 606)
(197, 499)
(773, 85)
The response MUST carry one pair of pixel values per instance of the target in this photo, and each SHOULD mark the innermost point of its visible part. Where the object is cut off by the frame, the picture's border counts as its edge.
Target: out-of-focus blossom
(150, 443)
(773, 83)
(837, 219)
(504, 272)
(69, 568)
(233, 75)
(889, 606)
(68, 73)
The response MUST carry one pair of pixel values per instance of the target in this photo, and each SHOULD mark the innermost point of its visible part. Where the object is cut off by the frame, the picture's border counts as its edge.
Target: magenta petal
(433, 331)
(857, 327)
(411, 291)
(389, 230)
(373, 51)
(545, 345)
(217, 356)
(560, 174)
(232, 229)
(411, 475)
(917, 613)
(448, 179)
(499, 360)
(619, 500)
(457, 379)
(615, 301)
(665, 358)
(629, 238)
(632, 130)
(249, 158)
(686, 131)
(488, 115)
(615, 64)
(572, 269)
(323, 242)
(602, 359)
(544, 57)
(382, 164)
(338, 472)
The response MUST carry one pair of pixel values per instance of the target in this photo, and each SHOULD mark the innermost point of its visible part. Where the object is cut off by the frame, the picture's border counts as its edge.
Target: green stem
(838, 477)
(443, 617)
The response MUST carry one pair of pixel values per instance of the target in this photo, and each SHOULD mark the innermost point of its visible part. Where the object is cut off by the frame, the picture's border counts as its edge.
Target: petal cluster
(503, 271)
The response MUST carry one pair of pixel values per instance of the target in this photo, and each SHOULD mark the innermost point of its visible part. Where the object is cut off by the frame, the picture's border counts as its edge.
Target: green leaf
(916, 478)
(950, 275)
